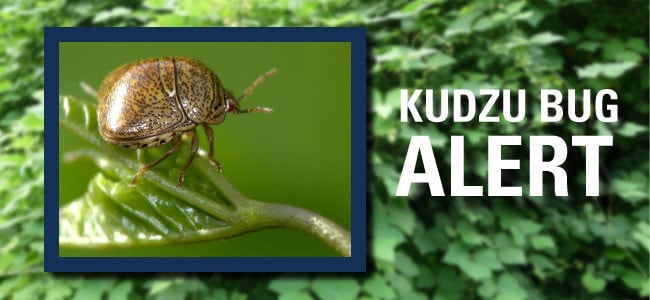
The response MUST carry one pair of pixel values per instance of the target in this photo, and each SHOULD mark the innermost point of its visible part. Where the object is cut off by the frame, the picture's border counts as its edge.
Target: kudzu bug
(154, 101)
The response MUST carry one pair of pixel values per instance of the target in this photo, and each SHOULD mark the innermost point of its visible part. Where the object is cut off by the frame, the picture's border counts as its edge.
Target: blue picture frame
(356, 263)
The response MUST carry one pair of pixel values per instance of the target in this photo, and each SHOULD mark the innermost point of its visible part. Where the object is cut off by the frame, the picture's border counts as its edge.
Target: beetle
(151, 102)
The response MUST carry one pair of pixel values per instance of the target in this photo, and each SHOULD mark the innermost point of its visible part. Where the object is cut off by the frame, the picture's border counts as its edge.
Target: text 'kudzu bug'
(154, 101)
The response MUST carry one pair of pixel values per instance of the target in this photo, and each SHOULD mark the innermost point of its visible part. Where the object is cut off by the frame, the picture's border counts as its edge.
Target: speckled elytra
(154, 101)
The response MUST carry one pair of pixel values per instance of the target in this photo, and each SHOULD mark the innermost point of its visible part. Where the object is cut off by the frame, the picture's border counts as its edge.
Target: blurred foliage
(420, 248)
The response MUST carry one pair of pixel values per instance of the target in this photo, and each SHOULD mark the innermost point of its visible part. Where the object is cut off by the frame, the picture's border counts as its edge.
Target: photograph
(206, 149)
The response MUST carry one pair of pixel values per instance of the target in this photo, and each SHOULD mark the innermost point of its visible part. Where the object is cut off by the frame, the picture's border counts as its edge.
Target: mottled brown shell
(150, 102)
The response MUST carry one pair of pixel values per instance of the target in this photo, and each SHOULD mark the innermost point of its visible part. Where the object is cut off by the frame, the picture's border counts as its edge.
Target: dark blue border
(357, 263)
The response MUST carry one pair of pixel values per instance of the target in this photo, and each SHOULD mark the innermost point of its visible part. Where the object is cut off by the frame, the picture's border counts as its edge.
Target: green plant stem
(265, 215)
(251, 215)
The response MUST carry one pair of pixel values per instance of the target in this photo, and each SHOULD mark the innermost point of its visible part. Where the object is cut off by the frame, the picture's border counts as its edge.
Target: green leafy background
(419, 248)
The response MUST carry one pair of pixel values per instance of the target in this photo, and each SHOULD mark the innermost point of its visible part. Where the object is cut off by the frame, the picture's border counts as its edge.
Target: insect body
(154, 101)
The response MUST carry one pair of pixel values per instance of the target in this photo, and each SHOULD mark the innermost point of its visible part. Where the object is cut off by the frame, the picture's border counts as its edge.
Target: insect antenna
(88, 89)
(250, 89)
(257, 82)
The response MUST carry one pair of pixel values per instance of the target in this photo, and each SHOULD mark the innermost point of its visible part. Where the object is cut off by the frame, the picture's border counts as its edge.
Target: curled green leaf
(115, 213)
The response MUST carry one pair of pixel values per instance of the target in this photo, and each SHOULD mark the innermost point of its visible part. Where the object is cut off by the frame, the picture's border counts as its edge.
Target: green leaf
(94, 288)
(630, 129)
(120, 291)
(633, 187)
(641, 235)
(477, 266)
(615, 50)
(114, 212)
(468, 233)
(377, 287)
(401, 216)
(4, 86)
(611, 47)
(158, 4)
(635, 280)
(415, 6)
(169, 20)
(462, 24)
(592, 283)
(456, 254)
(114, 13)
(615, 254)
(384, 127)
(485, 23)
(386, 239)
(390, 103)
(414, 295)
(518, 226)
(335, 288)
(509, 288)
(532, 17)
(546, 38)
(159, 285)
(10, 285)
(487, 289)
(404, 58)
(288, 284)
(31, 122)
(390, 176)
(294, 295)
(426, 278)
(512, 255)
(424, 239)
(61, 291)
(595, 34)
(488, 258)
(405, 265)
(610, 70)
(449, 284)
(588, 46)
(507, 251)
(400, 283)
(637, 44)
(543, 242)
(475, 270)
(515, 7)
(24, 142)
(439, 60)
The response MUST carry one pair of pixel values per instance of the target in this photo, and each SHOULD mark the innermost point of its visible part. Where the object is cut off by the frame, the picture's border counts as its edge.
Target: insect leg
(208, 133)
(194, 149)
(256, 83)
(150, 165)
